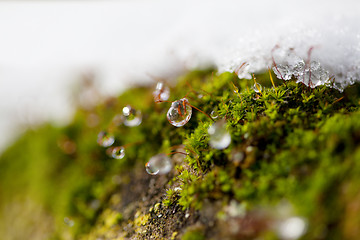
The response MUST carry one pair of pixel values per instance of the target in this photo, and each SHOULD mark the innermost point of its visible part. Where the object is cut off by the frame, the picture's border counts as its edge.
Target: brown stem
(202, 112)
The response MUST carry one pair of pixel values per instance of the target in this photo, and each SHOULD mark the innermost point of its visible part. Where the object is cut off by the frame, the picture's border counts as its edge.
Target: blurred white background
(45, 46)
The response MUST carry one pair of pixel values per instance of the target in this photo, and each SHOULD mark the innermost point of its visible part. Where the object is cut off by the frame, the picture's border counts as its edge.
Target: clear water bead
(179, 113)
(158, 164)
(292, 228)
(161, 92)
(132, 116)
(257, 87)
(237, 156)
(219, 136)
(105, 139)
(118, 152)
(214, 114)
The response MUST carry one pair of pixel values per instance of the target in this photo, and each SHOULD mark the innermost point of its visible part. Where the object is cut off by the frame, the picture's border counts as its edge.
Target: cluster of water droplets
(219, 137)
(159, 164)
(311, 74)
(179, 113)
(130, 117)
(161, 92)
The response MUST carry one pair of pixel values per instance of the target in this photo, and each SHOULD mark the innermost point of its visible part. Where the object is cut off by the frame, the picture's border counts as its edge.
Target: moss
(289, 143)
(193, 234)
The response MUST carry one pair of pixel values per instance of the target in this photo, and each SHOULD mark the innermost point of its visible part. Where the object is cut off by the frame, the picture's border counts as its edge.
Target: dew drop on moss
(158, 164)
(105, 139)
(118, 152)
(237, 156)
(257, 87)
(292, 228)
(214, 114)
(219, 136)
(179, 113)
(132, 116)
(69, 222)
(161, 92)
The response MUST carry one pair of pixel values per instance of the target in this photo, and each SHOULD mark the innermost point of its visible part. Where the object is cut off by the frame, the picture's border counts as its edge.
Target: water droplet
(292, 228)
(214, 114)
(69, 221)
(132, 116)
(161, 92)
(158, 164)
(118, 152)
(257, 87)
(237, 156)
(249, 149)
(219, 136)
(246, 135)
(105, 139)
(179, 113)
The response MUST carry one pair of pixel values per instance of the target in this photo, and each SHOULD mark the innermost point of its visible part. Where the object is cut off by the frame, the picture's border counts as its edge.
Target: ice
(334, 59)
(314, 75)
(311, 74)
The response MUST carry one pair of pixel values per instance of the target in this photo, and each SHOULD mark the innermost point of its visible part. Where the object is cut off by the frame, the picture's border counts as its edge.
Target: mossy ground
(291, 146)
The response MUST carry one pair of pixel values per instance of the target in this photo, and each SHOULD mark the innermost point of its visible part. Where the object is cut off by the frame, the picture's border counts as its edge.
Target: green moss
(294, 143)
(193, 235)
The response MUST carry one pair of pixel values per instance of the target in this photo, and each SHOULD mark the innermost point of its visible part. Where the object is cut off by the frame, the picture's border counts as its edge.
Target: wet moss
(289, 143)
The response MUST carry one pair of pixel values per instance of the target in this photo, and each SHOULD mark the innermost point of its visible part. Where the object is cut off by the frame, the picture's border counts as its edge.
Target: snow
(46, 46)
(335, 44)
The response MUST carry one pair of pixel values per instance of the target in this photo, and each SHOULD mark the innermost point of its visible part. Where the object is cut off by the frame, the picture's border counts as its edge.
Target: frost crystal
(312, 74)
